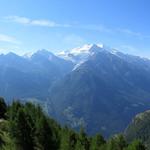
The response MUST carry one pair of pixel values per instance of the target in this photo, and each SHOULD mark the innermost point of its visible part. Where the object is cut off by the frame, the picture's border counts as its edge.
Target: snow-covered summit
(85, 49)
(79, 54)
(28, 55)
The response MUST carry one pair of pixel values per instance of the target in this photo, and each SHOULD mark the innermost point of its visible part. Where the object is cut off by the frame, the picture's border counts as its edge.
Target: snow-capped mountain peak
(83, 49)
(86, 48)
(79, 54)
(28, 55)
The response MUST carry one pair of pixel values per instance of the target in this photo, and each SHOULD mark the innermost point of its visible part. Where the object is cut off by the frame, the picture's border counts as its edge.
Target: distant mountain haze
(23, 77)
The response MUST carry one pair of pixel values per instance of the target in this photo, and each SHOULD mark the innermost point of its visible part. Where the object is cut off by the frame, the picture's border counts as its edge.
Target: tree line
(27, 127)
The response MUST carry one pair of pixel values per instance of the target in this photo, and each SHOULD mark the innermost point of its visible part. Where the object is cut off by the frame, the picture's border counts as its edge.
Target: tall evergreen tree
(68, 139)
(44, 135)
(1, 140)
(21, 130)
(97, 142)
(3, 108)
(136, 145)
(117, 143)
(82, 141)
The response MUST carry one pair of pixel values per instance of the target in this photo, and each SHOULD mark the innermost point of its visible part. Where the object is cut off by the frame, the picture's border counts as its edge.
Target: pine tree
(44, 135)
(3, 108)
(79, 145)
(82, 141)
(21, 130)
(111, 145)
(97, 142)
(136, 145)
(65, 144)
(68, 139)
(117, 143)
(1, 139)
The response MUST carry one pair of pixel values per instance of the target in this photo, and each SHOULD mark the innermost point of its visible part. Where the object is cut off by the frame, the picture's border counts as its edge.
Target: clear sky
(29, 25)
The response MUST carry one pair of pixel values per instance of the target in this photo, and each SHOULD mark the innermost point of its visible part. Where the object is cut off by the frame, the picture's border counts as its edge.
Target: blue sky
(29, 25)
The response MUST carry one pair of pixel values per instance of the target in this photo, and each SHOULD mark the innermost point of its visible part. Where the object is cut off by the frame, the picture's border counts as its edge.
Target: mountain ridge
(104, 86)
(101, 90)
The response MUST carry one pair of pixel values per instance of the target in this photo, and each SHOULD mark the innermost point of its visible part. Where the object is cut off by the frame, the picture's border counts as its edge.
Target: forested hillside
(27, 127)
(139, 128)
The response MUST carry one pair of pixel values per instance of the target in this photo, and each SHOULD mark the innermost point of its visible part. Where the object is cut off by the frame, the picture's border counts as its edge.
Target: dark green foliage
(68, 139)
(97, 142)
(139, 128)
(20, 127)
(83, 140)
(117, 143)
(136, 145)
(44, 135)
(3, 108)
(1, 139)
(31, 128)
(28, 128)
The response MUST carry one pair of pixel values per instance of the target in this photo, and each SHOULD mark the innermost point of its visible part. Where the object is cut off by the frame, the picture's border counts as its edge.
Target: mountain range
(24, 77)
(92, 86)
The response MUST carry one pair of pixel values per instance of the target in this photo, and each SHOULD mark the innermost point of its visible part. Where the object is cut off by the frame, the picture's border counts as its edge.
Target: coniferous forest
(27, 127)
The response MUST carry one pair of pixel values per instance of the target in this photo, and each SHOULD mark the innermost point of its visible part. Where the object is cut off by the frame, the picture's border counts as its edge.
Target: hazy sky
(29, 25)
